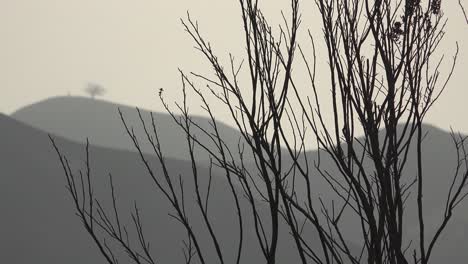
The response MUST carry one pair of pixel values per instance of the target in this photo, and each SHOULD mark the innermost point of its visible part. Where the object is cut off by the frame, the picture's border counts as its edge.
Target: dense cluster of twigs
(383, 77)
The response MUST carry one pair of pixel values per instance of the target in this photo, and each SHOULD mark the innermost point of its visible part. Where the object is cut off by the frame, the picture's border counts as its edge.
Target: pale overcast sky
(134, 47)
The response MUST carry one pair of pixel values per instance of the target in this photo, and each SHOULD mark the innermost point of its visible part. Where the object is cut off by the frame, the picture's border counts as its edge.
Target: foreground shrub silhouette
(384, 77)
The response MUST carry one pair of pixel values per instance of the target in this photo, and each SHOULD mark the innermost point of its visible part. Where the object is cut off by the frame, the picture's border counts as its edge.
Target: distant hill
(38, 224)
(77, 118)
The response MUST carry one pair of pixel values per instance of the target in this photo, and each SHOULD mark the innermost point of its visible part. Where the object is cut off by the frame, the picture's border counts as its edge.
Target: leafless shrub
(384, 78)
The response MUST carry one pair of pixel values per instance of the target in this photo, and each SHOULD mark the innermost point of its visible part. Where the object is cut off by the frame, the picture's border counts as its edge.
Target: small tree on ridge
(94, 89)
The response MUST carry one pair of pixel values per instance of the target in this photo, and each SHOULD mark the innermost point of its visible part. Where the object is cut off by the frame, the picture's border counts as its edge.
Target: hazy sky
(133, 47)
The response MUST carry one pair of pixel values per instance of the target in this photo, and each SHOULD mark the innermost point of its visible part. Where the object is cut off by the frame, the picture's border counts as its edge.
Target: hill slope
(439, 162)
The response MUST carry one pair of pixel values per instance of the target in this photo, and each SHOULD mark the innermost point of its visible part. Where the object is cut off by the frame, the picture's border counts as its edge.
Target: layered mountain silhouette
(38, 224)
(33, 193)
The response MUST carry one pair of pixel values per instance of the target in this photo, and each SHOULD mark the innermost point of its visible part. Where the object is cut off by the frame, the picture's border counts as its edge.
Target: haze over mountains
(40, 215)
